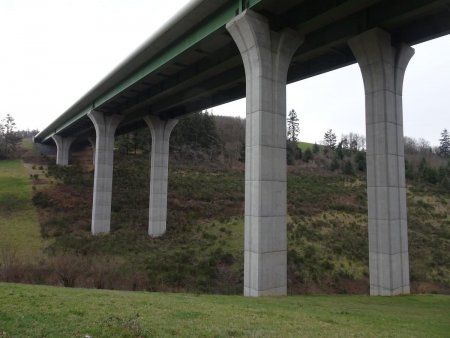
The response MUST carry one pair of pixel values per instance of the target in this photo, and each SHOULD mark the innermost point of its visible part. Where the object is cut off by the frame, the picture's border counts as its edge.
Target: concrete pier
(160, 130)
(91, 140)
(62, 149)
(383, 67)
(105, 128)
(266, 56)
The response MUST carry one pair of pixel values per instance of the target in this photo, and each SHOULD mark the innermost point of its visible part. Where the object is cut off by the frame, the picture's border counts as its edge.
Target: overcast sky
(54, 51)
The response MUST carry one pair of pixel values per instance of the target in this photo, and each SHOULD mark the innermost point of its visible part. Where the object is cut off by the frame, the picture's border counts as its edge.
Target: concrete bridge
(217, 51)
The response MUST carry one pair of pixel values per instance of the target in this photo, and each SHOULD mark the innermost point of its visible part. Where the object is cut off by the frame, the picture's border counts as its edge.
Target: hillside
(19, 227)
(38, 311)
(203, 248)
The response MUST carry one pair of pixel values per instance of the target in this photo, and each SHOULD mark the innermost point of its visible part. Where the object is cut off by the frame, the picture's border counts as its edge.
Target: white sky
(54, 51)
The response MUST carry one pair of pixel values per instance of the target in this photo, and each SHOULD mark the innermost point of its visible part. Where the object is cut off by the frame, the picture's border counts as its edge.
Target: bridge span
(214, 52)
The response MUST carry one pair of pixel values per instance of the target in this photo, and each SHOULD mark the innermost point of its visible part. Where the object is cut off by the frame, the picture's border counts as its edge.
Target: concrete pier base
(62, 149)
(383, 67)
(105, 128)
(160, 130)
(266, 56)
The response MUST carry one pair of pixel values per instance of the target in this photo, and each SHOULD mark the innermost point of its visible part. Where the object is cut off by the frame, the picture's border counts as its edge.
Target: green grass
(305, 145)
(27, 144)
(38, 311)
(19, 226)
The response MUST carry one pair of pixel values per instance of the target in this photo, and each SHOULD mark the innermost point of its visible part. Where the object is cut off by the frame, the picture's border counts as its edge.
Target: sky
(54, 51)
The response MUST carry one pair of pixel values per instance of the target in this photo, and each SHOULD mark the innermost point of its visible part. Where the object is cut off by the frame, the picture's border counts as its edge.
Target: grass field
(38, 311)
(305, 145)
(19, 227)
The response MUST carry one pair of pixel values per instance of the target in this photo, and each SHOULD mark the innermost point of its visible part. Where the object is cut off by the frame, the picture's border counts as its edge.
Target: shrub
(334, 164)
(42, 200)
(360, 160)
(348, 168)
(308, 155)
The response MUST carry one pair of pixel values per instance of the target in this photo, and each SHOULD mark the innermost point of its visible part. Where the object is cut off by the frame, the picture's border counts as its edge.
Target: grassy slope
(37, 311)
(19, 224)
(203, 248)
(305, 145)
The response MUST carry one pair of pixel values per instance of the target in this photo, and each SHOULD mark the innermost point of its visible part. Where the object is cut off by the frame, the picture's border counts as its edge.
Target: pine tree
(8, 135)
(330, 139)
(293, 127)
(444, 144)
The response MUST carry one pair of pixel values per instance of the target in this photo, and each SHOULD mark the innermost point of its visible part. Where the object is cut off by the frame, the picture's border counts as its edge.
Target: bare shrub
(69, 267)
(104, 271)
(11, 269)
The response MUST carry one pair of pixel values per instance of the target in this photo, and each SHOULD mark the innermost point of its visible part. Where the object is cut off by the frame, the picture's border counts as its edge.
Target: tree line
(10, 137)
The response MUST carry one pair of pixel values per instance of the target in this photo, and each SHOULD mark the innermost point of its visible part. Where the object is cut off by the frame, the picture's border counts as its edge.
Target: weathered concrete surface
(91, 140)
(105, 128)
(266, 56)
(160, 130)
(63, 149)
(383, 67)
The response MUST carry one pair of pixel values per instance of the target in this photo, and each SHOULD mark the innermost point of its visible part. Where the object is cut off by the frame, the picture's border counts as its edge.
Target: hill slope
(202, 250)
(19, 225)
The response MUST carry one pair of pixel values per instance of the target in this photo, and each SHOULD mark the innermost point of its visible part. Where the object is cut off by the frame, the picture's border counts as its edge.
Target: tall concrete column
(266, 56)
(160, 130)
(62, 149)
(91, 140)
(105, 128)
(383, 67)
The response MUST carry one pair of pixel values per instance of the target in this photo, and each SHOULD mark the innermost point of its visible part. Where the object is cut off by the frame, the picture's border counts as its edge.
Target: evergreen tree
(330, 139)
(293, 127)
(315, 148)
(196, 132)
(444, 144)
(348, 168)
(8, 135)
(308, 155)
(360, 160)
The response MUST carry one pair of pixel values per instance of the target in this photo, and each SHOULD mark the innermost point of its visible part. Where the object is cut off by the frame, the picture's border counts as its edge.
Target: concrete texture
(63, 149)
(105, 128)
(383, 67)
(266, 56)
(91, 140)
(160, 130)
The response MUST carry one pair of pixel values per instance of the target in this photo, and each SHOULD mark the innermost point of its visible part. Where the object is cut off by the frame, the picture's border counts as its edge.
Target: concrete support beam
(62, 149)
(266, 56)
(91, 140)
(383, 67)
(160, 130)
(105, 128)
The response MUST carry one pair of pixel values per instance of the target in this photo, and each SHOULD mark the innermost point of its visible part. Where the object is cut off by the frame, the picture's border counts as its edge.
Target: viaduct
(216, 51)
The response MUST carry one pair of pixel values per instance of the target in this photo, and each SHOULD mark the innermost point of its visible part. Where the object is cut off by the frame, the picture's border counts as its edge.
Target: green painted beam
(214, 23)
(81, 114)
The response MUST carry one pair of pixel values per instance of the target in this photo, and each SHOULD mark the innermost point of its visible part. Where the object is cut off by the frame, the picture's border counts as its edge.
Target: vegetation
(329, 139)
(8, 136)
(444, 144)
(20, 238)
(202, 250)
(38, 311)
(293, 127)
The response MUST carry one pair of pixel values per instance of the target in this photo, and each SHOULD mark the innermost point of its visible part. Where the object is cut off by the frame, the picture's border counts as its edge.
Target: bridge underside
(211, 72)
(278, 42)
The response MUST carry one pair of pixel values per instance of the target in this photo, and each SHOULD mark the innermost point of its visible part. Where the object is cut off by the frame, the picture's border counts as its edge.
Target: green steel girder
(324, 49)
(190, 39)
